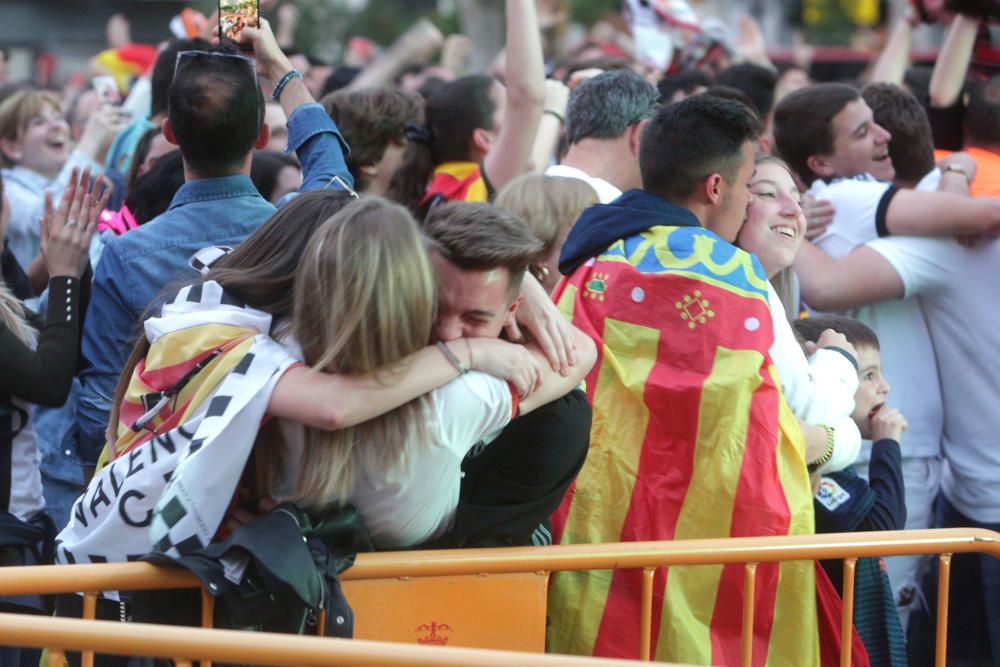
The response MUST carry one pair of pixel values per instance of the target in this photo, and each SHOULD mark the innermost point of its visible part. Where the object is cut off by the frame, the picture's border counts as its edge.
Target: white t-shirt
(26, 481)
(965, 326)
(819, 390)
(908, 359)
(606, 192)
(416, 501)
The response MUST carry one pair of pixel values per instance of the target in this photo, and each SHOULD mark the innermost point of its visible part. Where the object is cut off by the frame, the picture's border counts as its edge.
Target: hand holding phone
(107, 90)
(234, 15)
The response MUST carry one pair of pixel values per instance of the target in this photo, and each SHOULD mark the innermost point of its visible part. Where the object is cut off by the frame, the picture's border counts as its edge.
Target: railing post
(645, 629)
(89, 613)
(944, 589)
(749, 598)
(847, 619)
(207, 615)
(57, 658)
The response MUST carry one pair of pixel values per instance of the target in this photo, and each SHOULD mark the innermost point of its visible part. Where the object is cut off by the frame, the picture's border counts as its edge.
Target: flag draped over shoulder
(691, 439)
(202, 391)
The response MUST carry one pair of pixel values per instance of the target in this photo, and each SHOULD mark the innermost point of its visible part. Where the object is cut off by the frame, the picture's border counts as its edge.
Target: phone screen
(107, 90)
(234, 15)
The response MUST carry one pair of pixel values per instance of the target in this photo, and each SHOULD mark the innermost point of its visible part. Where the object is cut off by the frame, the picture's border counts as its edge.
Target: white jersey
(908, 358)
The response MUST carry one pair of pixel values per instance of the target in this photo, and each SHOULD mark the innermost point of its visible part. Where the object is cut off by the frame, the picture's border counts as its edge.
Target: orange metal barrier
(185, 645)
(471, 576)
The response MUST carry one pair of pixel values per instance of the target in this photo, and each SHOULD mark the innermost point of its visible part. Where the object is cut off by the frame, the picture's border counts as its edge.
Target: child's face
(872, 389)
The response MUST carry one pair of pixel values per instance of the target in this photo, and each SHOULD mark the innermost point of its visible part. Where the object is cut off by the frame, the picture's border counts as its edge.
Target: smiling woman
(34, 145)
(775, 223)
(38, 157)
(815, 388)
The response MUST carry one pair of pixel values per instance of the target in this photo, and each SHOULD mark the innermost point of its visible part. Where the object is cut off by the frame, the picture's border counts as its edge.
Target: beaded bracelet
(827, 453)
(291, 74)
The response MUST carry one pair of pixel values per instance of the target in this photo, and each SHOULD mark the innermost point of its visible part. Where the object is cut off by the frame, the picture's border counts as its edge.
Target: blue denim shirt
(135, 267)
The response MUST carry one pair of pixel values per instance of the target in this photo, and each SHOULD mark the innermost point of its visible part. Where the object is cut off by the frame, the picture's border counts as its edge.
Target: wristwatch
(958, 169)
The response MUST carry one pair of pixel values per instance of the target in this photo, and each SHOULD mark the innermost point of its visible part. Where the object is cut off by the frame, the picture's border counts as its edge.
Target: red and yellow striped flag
(458, 181)
(171, 358)
(691, 439)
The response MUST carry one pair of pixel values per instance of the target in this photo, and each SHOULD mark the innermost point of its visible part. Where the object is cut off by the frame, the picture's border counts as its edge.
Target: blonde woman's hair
(784, 280)
(364, 300)
(17, 111)
(549, 204)
(12, 316)
(11, 309)
(783, 283)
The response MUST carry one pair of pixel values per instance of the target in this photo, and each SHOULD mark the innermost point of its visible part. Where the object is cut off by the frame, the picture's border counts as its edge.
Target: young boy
(846, 502)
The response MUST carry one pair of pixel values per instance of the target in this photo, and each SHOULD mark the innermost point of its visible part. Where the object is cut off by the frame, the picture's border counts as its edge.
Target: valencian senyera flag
(186, 428)
(691, 439)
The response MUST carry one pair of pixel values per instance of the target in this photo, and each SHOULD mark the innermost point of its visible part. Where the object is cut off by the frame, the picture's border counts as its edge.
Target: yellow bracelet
(827, 453)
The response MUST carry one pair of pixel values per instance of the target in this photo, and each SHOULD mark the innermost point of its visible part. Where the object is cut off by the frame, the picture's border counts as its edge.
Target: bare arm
(555, 385)
(861, 277)
(815, 438)
(273, 64)
(957, 182)
(525, 80)
(415, 46)
(953, 61)
(288, 22)
(895, 57)
(914, 213)
(547, 139)
(331, 402)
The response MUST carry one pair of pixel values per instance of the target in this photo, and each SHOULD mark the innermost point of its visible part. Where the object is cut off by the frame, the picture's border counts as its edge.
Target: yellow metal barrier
(466, 573)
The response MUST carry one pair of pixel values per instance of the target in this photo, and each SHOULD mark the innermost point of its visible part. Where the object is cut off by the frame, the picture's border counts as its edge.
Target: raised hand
(540, 317)
(819, 214)
(508, 361)
(888, 423)
(66, 231)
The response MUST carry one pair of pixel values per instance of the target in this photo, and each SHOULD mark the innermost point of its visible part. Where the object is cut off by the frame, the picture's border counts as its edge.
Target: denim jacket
(135, 267)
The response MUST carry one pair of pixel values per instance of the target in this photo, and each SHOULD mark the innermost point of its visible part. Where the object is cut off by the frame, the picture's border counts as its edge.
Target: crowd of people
(646, 285)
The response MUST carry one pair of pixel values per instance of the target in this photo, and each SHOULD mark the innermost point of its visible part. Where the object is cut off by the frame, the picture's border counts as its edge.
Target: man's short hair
(370, 120)
(607, 105)
(163, 71)
(756, 81)
(912, 145)
(688, 141)
(857, 332)
(730, 93)
(982, 114)
(687, 81)
(216, 110)
(483, 237)
(803, 123)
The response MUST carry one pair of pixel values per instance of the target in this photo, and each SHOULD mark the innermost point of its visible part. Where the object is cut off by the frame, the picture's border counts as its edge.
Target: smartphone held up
(234, 15)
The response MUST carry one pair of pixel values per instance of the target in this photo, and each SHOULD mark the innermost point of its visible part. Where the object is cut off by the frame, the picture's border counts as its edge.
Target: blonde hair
(11, 309)
(18, 110)
(783, 283)
(364, 300)
(549, 204)
(12, 317)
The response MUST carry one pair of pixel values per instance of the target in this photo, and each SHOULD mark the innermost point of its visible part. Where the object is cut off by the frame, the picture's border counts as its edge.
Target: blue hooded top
(603, 224)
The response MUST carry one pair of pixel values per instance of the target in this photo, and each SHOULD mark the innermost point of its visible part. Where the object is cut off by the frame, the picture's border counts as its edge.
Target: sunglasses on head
(190, 56)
